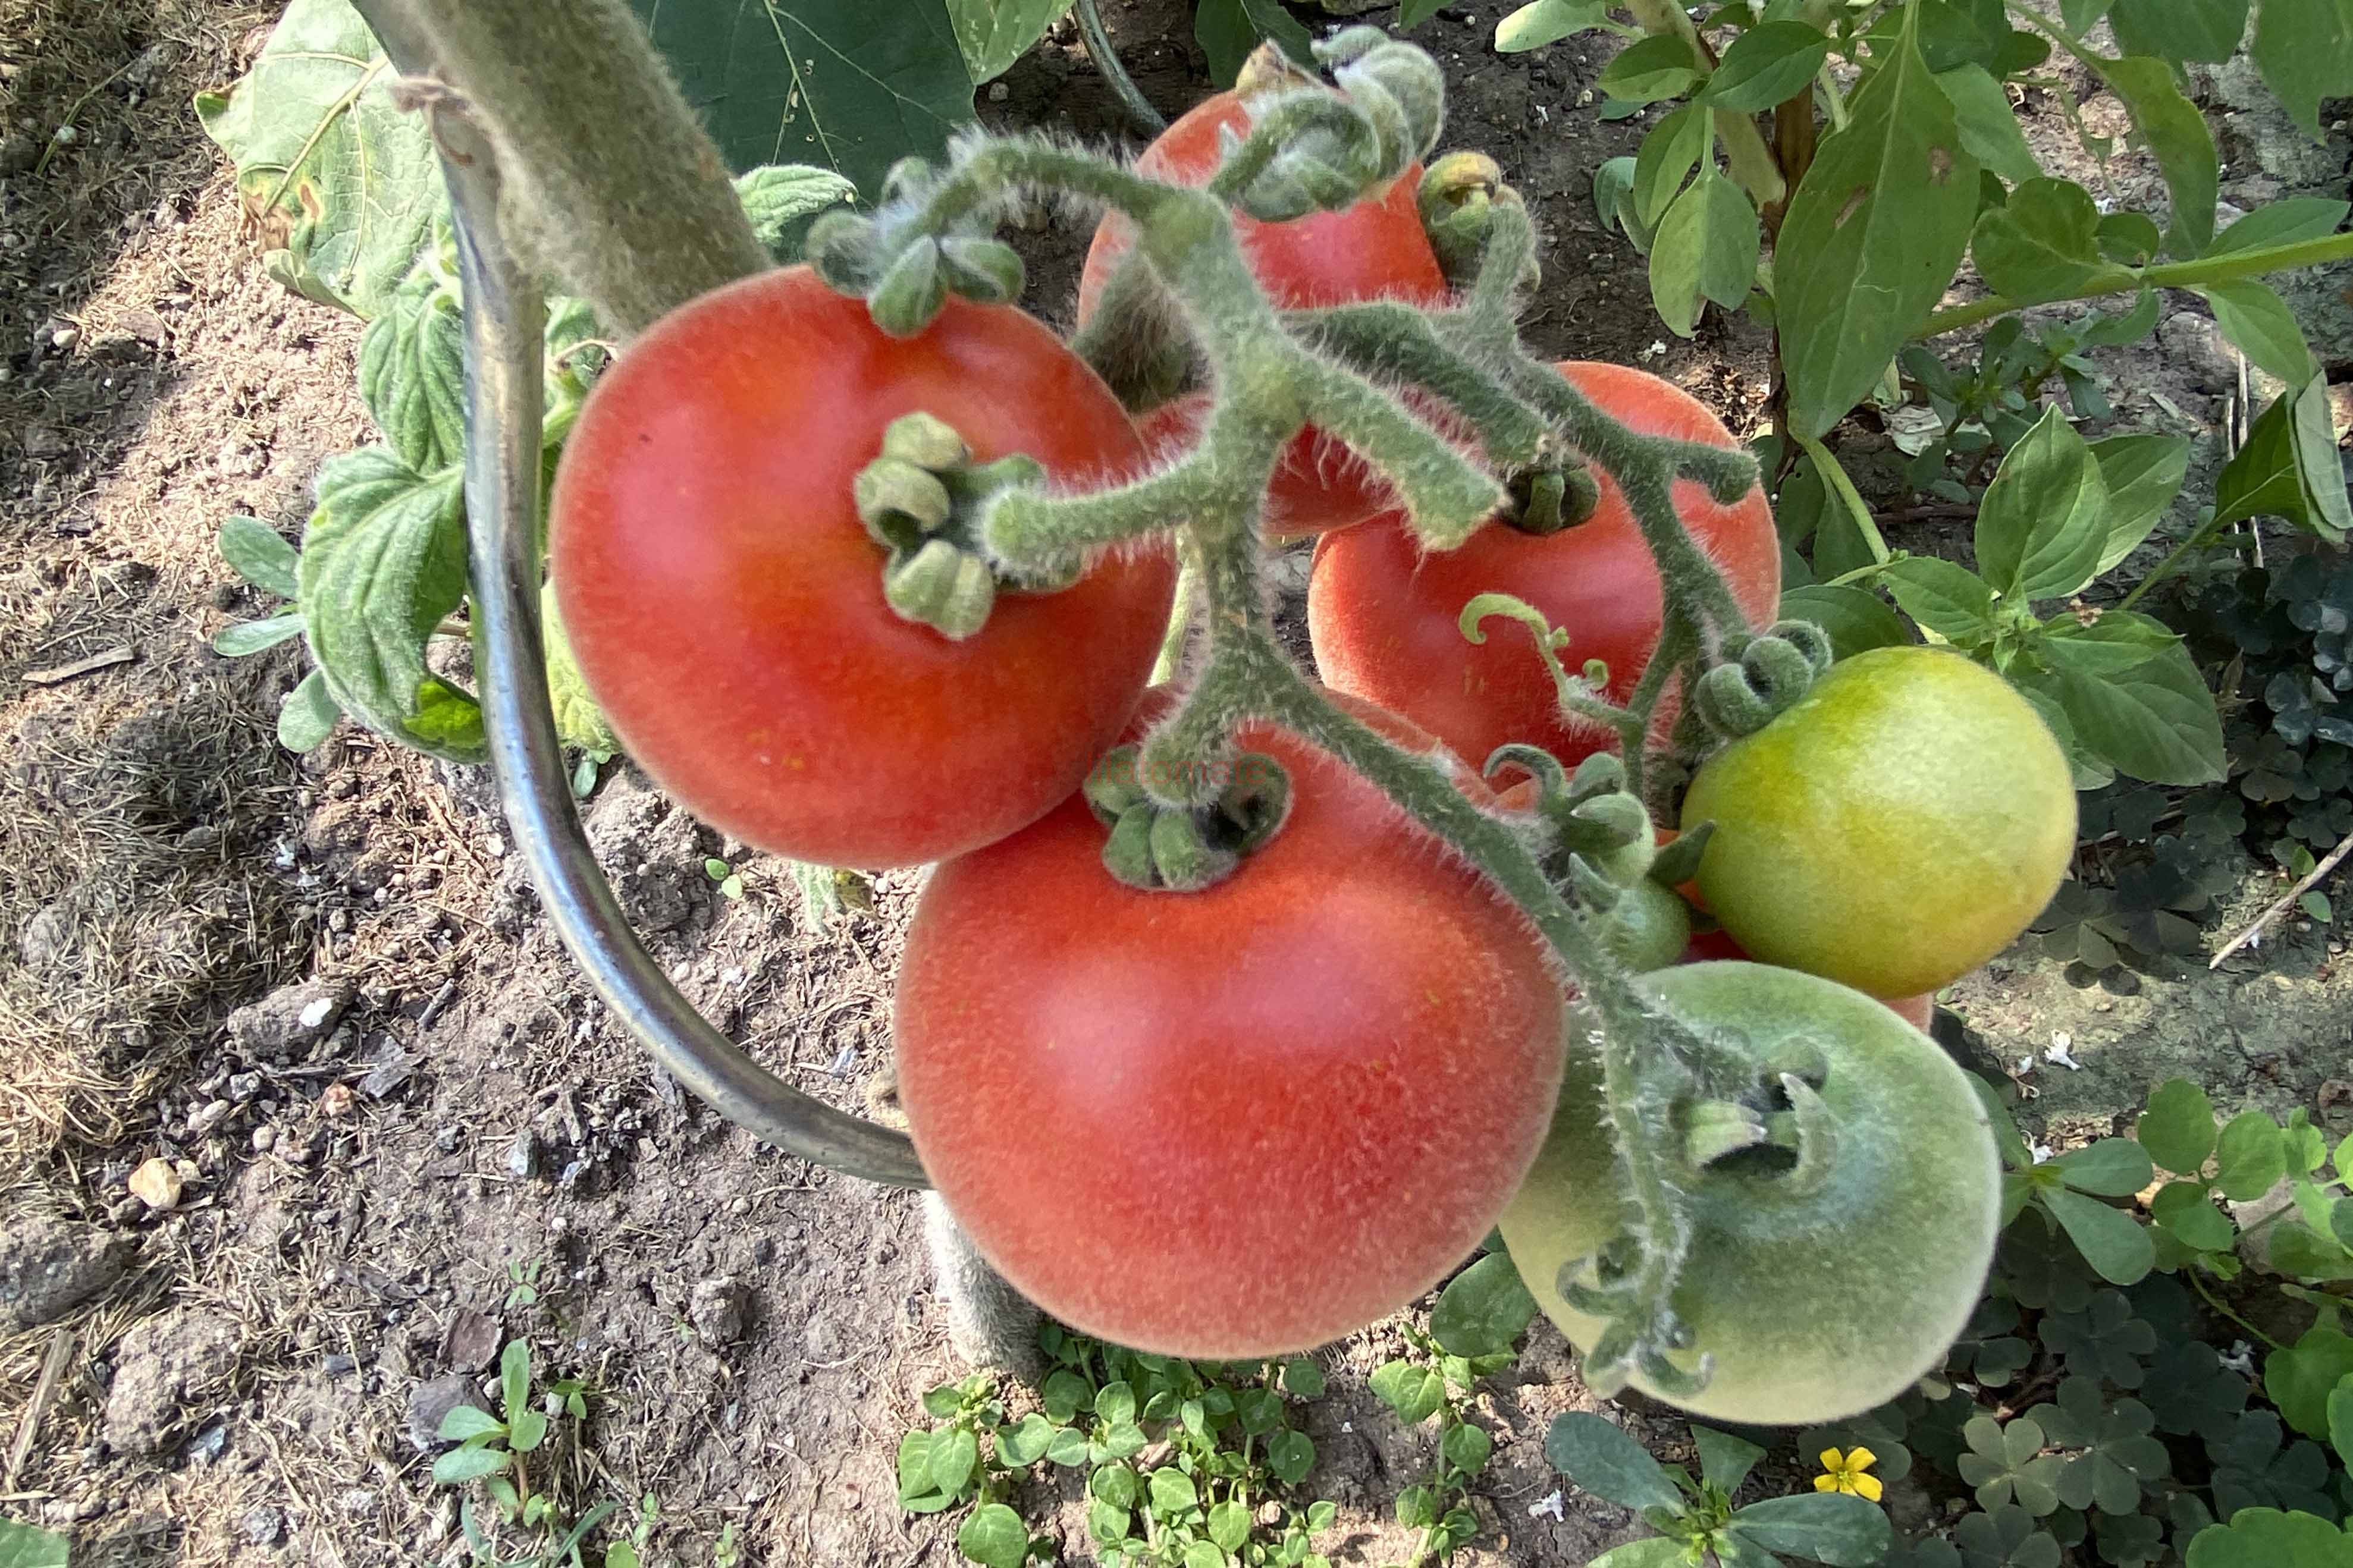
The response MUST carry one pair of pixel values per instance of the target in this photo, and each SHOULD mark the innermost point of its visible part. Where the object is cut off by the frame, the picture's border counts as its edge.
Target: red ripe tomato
(1373, 250)
(1237, 1122)
(1382, 615)
(1320, 485)
(726, 603)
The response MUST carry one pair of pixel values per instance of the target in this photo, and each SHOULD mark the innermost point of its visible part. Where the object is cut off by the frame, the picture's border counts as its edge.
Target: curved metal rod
(503, 313)
(1140, 112)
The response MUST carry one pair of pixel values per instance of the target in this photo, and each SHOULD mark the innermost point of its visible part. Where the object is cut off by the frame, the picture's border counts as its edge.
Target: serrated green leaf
(245, 637)
(777, 197)
(2150, 718)
(383, 559)
(413, 376)
(260, 554)
(1825, 1527)
(2289, 468)
(1531, 27)
(1987, 123)
(2177, 1127)
(1595, 1454)
(2142, 474)
(2043, 244)
(993, 34)
(580, 722)
(1706, 248)
(1766, 64)
(815, 81)
(2178, 134)
(1872, 237)
(1947, 598)
(1230, 29)
(340, 183)
(2041, 528)
(1483, 1311)
(2253, 315)
(2114, 1242)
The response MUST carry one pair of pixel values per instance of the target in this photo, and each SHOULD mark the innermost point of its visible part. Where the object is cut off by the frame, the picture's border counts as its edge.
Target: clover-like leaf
(2191, 1392)
(2103, 1340)
(2005, 1463)
(2258, 1466)
(2005, 1537)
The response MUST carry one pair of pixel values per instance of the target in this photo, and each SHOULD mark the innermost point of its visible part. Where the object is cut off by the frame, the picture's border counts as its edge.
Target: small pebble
(265, 1138)
(65, 338)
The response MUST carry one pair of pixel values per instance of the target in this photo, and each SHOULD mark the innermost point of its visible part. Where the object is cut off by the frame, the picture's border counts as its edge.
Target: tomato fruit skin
(1375, 249)
(726, 606)
(1815, 1305)
(1236, 1123)
(1382, 615)
(1898, 826)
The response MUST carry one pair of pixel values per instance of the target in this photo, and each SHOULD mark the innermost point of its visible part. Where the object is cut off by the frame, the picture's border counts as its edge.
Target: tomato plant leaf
(2109, 1168)
(1766, 65)
(2177, 1127)
(1825, 1527)
(2178, 134)
(2179, 29)
(1948, 599)
(1872, 239)
(1591, 1451)
(260, 554)
(2114, 1244)
(1987, 123)
(2250, 1156)
(1483, 1311)
(1855, 619)
(384, 559)
(1230, 29)
(2143, 473)
(2253, 315)
(1666, 159)
(2300, 1378)
(413, 375)
(993, 34)
(777, 196)
(26, 1546)
(1531, 27)
(815, 81)
(994, 1536)
(2134, 697)
(2305, 50)
(1706, 249)
(340, 184)
(1659, 67)
(580, 722)
(2289, 468)
(2042, 244)
(2040, 526)
(2287, 221)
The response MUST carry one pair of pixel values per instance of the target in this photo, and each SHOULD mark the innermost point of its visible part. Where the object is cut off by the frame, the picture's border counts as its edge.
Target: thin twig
(2333, 857)
(53, 1371)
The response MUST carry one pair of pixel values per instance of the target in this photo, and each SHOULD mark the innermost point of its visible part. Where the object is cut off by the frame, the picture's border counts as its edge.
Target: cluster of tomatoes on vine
(1254, 1116)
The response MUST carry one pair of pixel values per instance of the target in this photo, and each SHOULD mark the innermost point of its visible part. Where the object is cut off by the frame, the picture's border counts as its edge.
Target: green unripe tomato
(1896, 827)
(1818, 1299)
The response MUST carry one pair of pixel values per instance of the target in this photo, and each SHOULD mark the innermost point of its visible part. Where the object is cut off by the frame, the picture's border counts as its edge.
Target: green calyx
(1312, 149)
(921, 499)
(1458, 201)
(903, 266)
(1164, 848)
(1764, 677)
(1546, 501)
(1604, 1285)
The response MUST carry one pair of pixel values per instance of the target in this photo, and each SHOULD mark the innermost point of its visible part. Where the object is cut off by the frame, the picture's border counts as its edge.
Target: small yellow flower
(1846, 1474)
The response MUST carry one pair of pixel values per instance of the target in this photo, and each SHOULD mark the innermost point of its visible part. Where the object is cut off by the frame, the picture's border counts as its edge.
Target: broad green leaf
(579, 721)
(2340, 1420)
(2186, 1209)
(259, 554)
(2114, 329)
(1230, 1526)
(1413, 1391)
(526, 1429)
(1766, 65)
(25, 1546)
(514, 1378)
(2179, 135)
(1302, 1377)
(1549, 21)
(1171, 1489)
(413, 375)
(1468, 1447)
(2130, 239)
(1987, 123)
(2041, 528)
(2305, 50)
(2178, 1128)
(2253, 315)
(2081, 16)
(1413, 13)
(2108, 1168)
(307, 716)
(2154, 719)
(1115, 1484)
(1230, 29)
(2287, 221)
(1483, 1311)
(1601, 1459)
(1659, 67)
(815, 81)
(465, 1421)
(2302, 1252)
(2266, 1537)
(1613, 201)
(993, 34)
(469, 1464)
(1026, 1442)
(2143, 473)
(383, 559)
(245, 637)
(1823, 1526)
(778, 196)
(2043, 244)
(1706, 249)
(1666, 159)
(1872, 239)
(2114, 1244)
(2179, 29)
(916, 1472)
(1290, 1455)
(955, 1453)
(1723, 1458)
(2300, 1378)
(340, 185)
(2250, 1156)
(1652, 1552)
(1945, 598)
(2289, 468)
(994, 1536)
(1115, 1403)
(1855, 619)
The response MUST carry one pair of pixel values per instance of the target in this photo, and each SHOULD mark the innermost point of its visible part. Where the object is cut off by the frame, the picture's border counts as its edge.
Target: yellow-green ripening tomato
(1817, 1295)
(1898, 826)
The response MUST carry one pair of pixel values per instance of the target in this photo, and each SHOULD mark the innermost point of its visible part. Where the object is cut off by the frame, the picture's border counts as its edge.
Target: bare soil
(319, 988)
